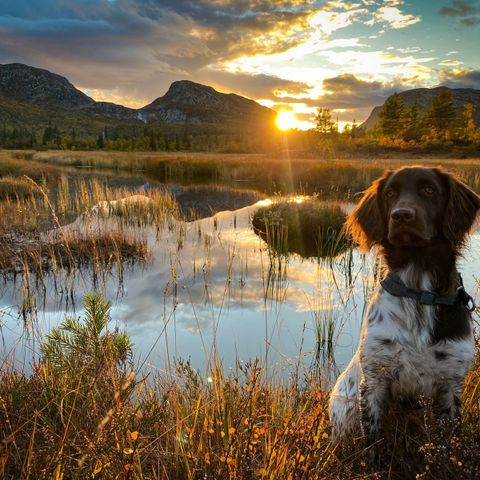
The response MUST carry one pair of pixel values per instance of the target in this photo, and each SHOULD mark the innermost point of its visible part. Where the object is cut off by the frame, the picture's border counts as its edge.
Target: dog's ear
(461, 211)
(366, 224)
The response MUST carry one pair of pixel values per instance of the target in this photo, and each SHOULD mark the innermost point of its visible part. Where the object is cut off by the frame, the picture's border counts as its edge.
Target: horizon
(293, 56)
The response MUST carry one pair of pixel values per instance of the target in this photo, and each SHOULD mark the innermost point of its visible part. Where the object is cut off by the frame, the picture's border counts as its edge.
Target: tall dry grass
(87, 411)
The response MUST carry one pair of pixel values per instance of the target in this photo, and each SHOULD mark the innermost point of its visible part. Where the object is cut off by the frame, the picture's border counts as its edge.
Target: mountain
(423, 96)
(32, 98)
(189, 102)
(39, 87)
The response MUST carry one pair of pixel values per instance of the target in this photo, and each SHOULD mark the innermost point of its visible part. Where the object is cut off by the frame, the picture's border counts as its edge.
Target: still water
(213, 288)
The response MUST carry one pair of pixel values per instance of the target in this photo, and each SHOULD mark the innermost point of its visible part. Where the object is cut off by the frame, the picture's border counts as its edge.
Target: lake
(211, 289)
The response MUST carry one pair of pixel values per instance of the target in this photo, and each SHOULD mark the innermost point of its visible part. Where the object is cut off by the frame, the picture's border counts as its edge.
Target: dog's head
(412, 207)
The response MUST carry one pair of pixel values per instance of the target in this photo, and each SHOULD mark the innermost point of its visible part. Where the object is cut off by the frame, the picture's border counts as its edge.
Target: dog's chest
(400, 320)
(399, 339)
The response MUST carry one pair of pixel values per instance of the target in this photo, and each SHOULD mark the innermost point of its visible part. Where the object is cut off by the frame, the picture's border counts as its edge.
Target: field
(83, 402)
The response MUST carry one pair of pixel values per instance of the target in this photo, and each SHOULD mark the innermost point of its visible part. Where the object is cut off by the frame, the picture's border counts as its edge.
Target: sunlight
(286, 120)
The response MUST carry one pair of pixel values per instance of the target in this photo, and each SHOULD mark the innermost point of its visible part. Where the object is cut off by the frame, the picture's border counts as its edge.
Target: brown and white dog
(416, 336)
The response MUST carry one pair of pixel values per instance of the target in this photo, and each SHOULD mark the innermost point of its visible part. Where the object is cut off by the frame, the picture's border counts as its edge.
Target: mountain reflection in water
(213, 286)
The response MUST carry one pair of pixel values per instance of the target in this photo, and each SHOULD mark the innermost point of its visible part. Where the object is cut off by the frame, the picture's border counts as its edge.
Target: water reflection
(213, 287)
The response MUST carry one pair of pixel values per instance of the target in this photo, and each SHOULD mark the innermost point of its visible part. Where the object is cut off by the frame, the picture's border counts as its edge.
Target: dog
(416, 337)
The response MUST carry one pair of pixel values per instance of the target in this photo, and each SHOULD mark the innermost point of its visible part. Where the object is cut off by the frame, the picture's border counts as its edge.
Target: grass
(12, 188)
(25, 218)
(39, 242)
(309, 228)
(284, 172)
(87, 411)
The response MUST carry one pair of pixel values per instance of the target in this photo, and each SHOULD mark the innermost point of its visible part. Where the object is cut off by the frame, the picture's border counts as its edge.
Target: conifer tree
(323, 121)
(391, 117)
(468, 129)
(440, 115)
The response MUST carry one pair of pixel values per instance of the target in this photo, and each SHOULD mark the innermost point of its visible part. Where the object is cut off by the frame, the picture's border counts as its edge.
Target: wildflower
(134, 436)
(231, 431)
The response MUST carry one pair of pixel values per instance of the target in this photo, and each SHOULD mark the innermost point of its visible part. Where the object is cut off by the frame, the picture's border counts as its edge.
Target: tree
(392, 116)
(88, 343)
(412, 123)
(468, 129)
(440, 115)
(323, 121)
(100, 141)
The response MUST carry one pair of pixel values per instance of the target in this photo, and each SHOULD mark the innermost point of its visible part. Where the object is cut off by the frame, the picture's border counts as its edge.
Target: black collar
(394, 286)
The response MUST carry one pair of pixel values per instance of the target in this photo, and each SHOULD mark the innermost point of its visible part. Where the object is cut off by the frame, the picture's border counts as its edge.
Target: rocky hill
(30, 95)
(189, 102)
(423, 97)
(39, 87)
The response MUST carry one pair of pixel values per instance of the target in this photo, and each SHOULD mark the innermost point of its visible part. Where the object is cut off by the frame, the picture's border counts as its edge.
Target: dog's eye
(389, 193)
(429, 190)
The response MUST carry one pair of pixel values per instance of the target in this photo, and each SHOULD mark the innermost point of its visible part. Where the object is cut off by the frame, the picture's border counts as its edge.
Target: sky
(291, 55)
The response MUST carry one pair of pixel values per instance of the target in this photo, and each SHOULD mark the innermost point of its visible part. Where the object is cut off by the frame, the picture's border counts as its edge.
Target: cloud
(467, 12)
(135, 49)
(348, 96)
(394, 17)
(130, 51)
(254, 86)
(347, 92)
(460, 78)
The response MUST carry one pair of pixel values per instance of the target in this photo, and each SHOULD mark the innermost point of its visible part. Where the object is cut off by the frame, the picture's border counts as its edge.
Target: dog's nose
(403, 215)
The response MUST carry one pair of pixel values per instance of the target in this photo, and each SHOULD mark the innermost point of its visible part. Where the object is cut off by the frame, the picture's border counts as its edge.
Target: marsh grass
(284, 172)
(307, 227)
(15, 188)
(86, 411)
(53, 231)
(265, 173)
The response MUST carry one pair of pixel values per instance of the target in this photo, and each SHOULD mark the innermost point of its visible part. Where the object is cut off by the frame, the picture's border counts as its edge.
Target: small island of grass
(309, 228)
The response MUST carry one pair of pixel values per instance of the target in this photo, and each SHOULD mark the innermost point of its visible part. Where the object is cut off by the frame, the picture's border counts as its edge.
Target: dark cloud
(139, 47)
(463, 78)
(349, 92)
(255, 86)
(467, 12)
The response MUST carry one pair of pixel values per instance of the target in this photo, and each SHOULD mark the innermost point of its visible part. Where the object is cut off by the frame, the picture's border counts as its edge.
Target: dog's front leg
(373, 393)
(447, 400)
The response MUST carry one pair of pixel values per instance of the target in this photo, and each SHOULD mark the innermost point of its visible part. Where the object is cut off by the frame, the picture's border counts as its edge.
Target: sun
(286, 120)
